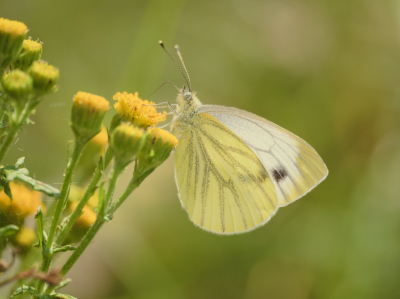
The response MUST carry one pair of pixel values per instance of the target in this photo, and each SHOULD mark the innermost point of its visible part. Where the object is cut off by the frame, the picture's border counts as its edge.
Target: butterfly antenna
(183, 74)
(184, 66)
(162, 86)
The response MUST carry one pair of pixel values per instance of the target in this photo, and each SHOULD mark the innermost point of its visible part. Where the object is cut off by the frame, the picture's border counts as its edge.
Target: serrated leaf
(8, 230)
(22, 289)
(63, 283)
(63, 249)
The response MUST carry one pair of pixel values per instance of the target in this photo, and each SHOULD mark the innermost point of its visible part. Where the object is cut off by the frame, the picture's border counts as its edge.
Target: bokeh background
(329, 71)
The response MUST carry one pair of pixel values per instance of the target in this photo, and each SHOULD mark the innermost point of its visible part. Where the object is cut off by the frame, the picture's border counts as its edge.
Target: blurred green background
(329, 71)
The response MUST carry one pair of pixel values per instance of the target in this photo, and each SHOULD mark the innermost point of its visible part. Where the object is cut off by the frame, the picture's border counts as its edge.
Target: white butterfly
(234, 169)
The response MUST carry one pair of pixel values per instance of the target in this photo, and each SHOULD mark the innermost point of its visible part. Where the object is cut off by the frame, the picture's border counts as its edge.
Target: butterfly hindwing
(222, 183)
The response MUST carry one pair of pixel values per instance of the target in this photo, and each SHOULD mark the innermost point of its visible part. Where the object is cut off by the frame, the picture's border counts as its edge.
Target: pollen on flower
(166, 137)
(134, 109)
(12, 27)
(25, 202)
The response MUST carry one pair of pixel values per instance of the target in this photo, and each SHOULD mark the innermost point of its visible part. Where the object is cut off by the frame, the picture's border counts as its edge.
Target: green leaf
(24, 289)
(20, 161)
(63, 283)
(7, 190)
(63, 249)
(39, 225)
(8, 230)
(37, 185)
(41, 233)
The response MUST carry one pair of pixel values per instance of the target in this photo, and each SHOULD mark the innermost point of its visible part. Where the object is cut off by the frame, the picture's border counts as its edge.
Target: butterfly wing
(221, 182)
(294, 166)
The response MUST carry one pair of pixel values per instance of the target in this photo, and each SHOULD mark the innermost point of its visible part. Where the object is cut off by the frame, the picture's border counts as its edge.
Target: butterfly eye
(187, 95)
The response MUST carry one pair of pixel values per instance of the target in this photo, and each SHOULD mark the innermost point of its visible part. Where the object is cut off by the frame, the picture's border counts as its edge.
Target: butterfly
(234, 169)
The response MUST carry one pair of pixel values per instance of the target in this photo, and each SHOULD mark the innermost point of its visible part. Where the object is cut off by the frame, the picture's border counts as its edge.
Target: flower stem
(60, 206)
(85, 198)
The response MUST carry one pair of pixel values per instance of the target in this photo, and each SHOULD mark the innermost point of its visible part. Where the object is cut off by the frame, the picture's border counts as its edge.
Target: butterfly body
(234, 169)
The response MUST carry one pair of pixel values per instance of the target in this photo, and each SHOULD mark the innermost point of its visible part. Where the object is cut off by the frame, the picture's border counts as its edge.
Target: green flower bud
(12, 35)
(126, 142)
(18, 85)
(30, 52)
(157, 147)
(87, 115)
(44, 75)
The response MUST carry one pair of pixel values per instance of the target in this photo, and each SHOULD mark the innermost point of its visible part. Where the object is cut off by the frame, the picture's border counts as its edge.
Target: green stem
(60, 206)
(20, 118)
(85, 198)
(133, 184)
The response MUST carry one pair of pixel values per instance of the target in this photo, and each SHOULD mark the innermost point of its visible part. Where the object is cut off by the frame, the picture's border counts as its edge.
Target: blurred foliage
(326, 70)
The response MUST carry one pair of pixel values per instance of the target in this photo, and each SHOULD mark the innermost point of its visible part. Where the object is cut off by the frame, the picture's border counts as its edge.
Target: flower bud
(126, 142)
(18, 85)
(157, 147)
(133, 109)
(12, 35)
(44, 75)
(87, 115)
(30, 52)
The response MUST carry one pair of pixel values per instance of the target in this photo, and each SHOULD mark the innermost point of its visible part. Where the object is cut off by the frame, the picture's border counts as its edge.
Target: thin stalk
(133, 184)
(20, 118)
(60, 206)
(78, 210)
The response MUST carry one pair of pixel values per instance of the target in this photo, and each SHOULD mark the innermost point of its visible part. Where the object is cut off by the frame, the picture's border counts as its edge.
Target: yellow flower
(87, 218)
(12, 35)
(126, 141)
(157, 148)
(87, 115)
(166, 137)
(18, 85)
(132, 108)
(100, 139)
(25, 237)
(25, 202)
(30, 52)
(44, 75)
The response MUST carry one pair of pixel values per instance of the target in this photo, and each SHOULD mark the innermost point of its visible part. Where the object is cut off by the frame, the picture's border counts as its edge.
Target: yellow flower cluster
(132, 108)
(24, 202)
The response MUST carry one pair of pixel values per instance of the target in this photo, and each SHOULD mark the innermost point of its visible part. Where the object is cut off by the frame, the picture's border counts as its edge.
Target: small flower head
(157, 147)
(133, 109)
(12, 35)
(25, 202)
(24, 238)
(18, 85)
(126, 142)
(30, 52)
(87, 115)
(87, 218)
(44, 75)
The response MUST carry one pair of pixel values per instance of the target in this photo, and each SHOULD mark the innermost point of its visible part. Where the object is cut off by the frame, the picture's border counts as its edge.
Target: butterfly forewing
(293, 165)
(222, 183)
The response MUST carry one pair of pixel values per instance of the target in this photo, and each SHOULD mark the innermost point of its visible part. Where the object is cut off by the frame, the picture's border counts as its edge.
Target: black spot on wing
(279, 174)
